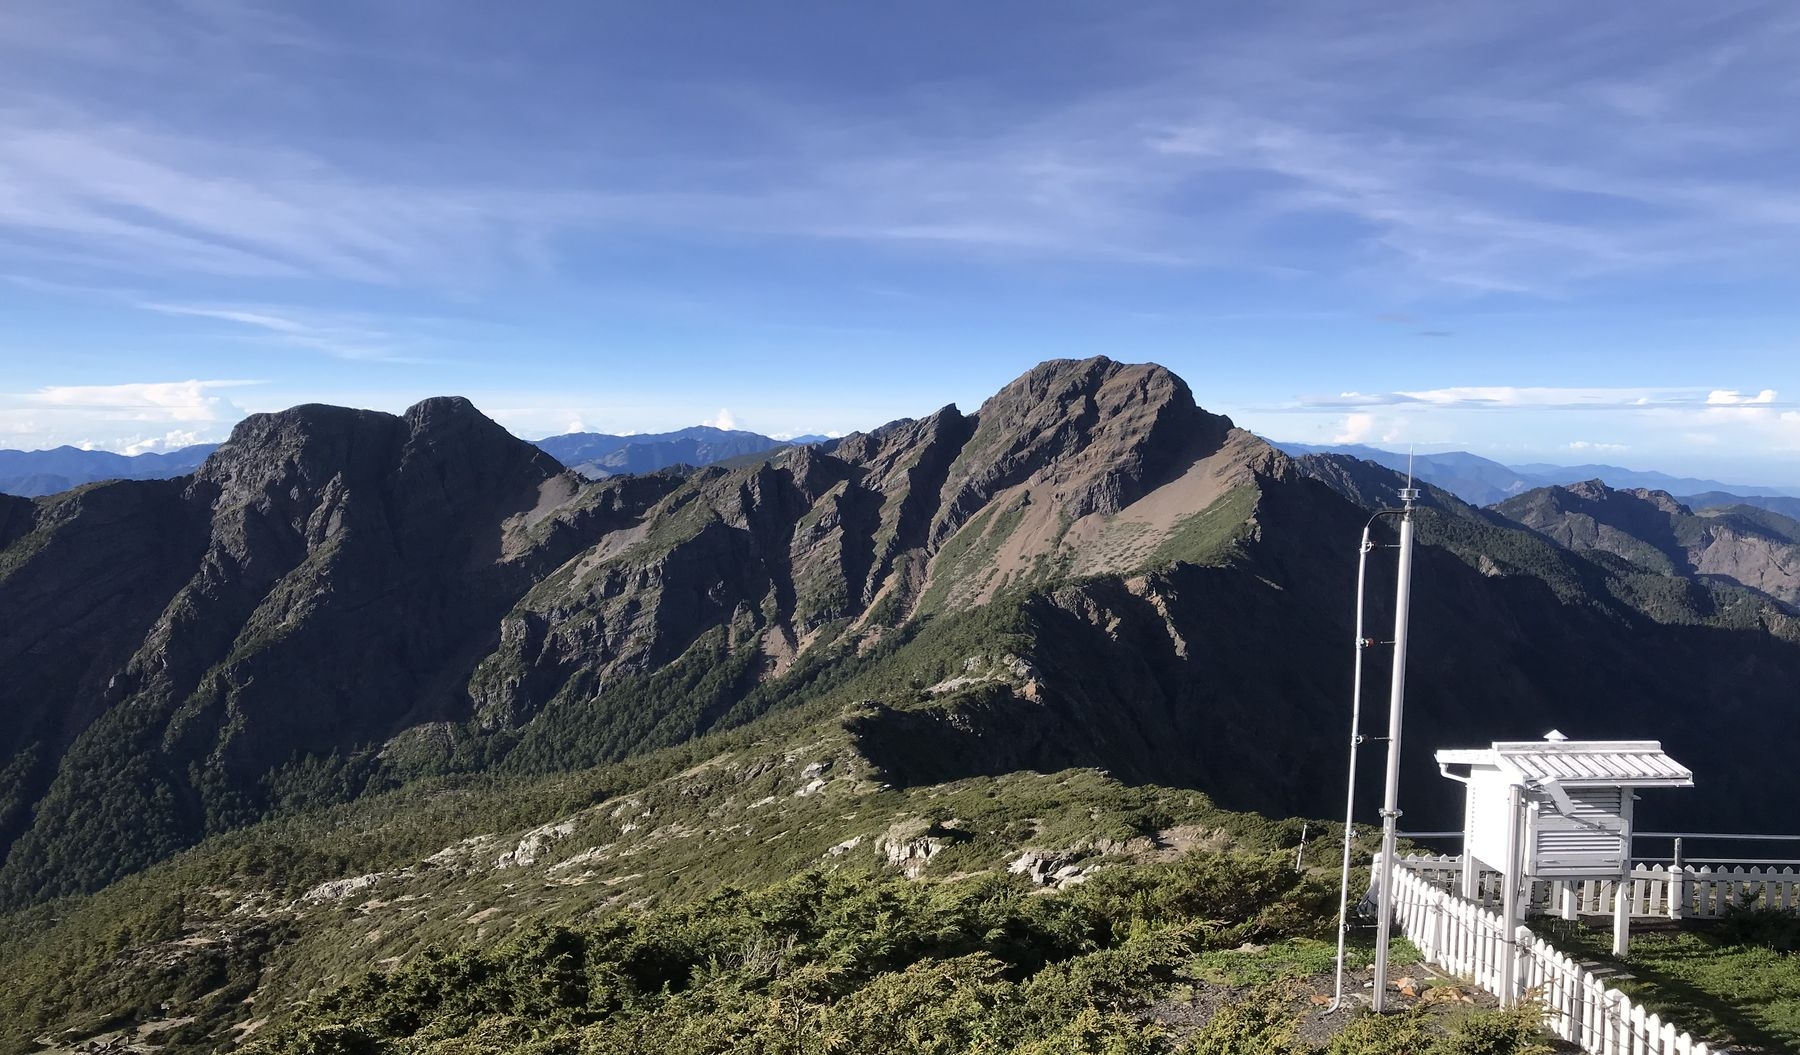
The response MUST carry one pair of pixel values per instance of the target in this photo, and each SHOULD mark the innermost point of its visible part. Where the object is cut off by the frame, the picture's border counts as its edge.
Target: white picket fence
(1467, 939)
(1654, 889)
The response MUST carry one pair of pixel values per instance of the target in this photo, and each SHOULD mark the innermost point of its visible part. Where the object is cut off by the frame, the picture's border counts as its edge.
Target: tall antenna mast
(1390, 814)
(1390, 809)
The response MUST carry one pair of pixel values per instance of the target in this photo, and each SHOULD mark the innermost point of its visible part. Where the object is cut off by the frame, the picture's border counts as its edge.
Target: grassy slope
(851, 963)
(1726, 984)
(227, 920)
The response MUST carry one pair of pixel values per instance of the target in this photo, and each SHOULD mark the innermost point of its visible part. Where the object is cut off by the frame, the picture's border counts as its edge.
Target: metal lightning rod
(1362, 568)
(1390, 810)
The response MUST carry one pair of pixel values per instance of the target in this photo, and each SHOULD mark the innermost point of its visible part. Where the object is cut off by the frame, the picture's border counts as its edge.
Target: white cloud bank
(134, 418)
(176, 401)
(1748, 435)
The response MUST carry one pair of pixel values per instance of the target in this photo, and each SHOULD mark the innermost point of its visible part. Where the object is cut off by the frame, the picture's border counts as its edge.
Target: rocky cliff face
(179, 644)
(1088, 570)
(769, 562)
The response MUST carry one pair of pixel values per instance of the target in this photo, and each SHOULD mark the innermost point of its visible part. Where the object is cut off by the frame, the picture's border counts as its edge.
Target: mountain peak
(440, 409)
(1114, 430)
(307, 444)
(1110, 384)
(1598, 492)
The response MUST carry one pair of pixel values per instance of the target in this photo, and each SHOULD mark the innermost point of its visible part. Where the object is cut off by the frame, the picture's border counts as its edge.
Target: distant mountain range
(1788, 507)
(1483, 481)
(33, 474)
(597, 455)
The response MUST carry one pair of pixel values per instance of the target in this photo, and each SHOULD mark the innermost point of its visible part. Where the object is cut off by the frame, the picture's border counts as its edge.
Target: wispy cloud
(333, 335)
(1238, 146)
(140, 201)
(1503, 421)
(1514, 397)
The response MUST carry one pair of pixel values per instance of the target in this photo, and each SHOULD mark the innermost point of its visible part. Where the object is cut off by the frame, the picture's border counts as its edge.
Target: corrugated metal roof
(1577, 763)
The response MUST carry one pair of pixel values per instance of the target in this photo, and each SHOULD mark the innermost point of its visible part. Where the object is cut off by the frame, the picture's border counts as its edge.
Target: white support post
(1509, 899)
(1471, 868)
(1622, 896)
(1565, 895)
(1622, 918)
(1390, 810)
(1678, 884)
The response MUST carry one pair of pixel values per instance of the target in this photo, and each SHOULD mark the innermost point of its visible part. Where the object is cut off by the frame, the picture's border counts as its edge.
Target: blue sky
(1538, 231)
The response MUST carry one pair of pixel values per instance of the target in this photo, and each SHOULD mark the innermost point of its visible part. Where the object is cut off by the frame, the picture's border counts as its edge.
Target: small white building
(1556, 809)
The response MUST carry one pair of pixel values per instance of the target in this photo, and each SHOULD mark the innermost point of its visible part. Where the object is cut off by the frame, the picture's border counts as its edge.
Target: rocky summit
(1089, 570)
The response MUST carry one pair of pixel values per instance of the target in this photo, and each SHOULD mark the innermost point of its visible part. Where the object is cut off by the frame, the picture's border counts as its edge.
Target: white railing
(1466, 939)
(1687, 891)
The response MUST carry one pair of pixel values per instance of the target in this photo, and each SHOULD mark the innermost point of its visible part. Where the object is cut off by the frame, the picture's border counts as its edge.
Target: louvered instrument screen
(1589, 843)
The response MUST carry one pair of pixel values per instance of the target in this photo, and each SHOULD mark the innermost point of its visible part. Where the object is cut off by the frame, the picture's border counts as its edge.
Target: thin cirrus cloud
(540, 181)
(1568, 168)
(340, 337)
(123, 198)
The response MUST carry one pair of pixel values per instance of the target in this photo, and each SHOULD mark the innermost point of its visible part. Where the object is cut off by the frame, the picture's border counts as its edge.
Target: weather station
(1555, 809)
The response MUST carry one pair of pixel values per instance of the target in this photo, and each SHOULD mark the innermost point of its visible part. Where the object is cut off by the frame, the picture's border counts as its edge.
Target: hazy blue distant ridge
(596, 455)
(35, 473)
(1482, 481)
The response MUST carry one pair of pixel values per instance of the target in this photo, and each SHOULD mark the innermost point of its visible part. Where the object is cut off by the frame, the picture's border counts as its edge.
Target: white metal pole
(1509, 897)
(1362, 567)
(1622, 899)
(1678, 888)
(1390, 812)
